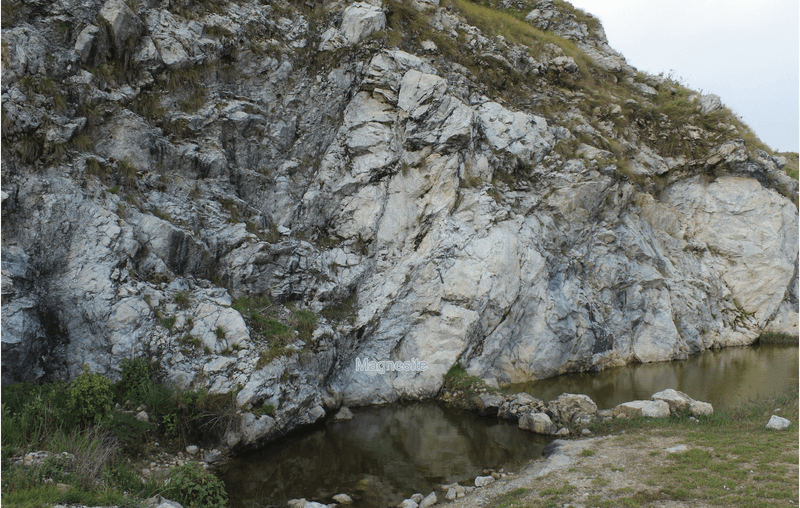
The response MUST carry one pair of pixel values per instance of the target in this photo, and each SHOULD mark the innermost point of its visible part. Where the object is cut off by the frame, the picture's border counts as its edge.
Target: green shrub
(193, 487)
(135, 380)
(90, 396)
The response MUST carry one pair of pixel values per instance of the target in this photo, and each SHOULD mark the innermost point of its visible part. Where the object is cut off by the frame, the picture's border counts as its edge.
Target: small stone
(778, 423)
(451, 494)
(496, 476)
(408, 503)
(677, 449)
(430, 500)
(212, 456)
(586, 432)
(482, 481)
(343, 499)
(417, 497)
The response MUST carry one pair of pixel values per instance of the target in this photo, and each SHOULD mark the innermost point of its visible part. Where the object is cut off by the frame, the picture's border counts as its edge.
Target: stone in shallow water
(537, 422)
(342, 499)
(343, 414)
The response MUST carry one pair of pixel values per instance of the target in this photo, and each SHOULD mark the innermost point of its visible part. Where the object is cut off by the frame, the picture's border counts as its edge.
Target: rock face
(164, 162)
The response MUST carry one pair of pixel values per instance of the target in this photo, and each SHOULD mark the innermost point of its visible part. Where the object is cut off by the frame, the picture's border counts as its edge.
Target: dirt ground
(614, 471)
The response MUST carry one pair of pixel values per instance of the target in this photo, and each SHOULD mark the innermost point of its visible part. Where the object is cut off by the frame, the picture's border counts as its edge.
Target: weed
(181, 299)
(341, 312)
(128, 173)
(305, 323)
(771, 337)
(191, 485)
(168, 323)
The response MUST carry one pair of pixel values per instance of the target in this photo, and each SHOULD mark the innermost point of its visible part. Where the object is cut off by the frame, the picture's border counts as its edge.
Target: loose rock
(778, 423)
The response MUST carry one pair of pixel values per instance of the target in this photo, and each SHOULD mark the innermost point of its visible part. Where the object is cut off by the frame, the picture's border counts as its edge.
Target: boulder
(569, 407)
(648, 408)
(482, 481)
(656, 409)
(488, 404)
(429, 500)
(360, 20)
(539, 423)
(778, 423)
(710, 103)
(698, 408)
(677, 400)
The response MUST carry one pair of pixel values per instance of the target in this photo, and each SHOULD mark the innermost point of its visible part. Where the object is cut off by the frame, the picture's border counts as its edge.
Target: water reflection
(381, 456)
(385, 454)
(726, 377)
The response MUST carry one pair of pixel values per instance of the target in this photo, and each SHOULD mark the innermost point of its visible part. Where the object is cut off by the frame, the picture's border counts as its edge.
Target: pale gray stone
(778, 423)
(537, 422)
(678, 401)
(343, 414)
(698, 408)
(482, 481)
(343, 499)
(429, 500)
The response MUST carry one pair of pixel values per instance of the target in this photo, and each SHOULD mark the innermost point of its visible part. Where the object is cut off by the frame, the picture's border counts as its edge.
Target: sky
(747, 52)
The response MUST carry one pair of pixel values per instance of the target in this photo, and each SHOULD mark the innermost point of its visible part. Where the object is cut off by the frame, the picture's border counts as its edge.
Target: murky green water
(381, 456)
(385, 454)
(723, 377)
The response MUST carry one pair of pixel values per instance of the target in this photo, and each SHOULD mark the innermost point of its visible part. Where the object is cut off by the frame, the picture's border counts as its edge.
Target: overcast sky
(745, 51)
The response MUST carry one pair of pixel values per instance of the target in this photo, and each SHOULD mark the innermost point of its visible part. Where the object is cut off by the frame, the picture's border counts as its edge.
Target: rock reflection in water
(723, 377)
(382, 456)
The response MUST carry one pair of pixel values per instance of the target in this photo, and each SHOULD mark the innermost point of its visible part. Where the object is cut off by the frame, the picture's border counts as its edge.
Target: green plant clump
(194, 487)
(90, 396)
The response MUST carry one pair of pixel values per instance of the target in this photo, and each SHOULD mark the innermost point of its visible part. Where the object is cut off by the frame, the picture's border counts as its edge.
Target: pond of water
(385, 454)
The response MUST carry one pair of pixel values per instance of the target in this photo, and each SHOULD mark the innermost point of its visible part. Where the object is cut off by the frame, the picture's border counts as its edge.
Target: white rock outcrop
(420, 210)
